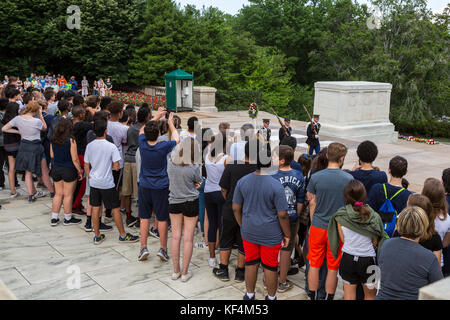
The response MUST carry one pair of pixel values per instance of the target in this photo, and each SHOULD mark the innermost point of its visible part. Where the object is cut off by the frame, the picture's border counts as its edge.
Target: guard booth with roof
(179, 94)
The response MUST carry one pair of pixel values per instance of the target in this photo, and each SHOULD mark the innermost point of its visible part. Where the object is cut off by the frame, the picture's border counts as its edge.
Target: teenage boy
(294, 188)
(292, 142)
(191, 129)
(326, 196)
(50, 97)
(109, 87)
(129, 185)
(231, 232)
(363, 171)
(260, 209)
(118, 132)
(101, 155)
(154, 182)
(398, 168)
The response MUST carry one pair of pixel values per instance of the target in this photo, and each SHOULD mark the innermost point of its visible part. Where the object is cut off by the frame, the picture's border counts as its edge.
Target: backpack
(388, 213)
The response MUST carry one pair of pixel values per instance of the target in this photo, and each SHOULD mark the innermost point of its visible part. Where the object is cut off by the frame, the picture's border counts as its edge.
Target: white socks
(55, 215)
(271, 298)
(250, 295)
(68, 216)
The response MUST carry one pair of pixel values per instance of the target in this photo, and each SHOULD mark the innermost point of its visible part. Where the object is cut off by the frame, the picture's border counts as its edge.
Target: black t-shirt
(80, 130)
(231, 175)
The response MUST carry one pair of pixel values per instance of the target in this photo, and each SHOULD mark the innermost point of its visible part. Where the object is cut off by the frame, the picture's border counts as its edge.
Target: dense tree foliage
(279, 48)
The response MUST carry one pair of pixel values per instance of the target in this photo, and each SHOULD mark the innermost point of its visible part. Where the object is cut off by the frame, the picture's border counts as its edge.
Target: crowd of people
(280, 212)
(58, 82)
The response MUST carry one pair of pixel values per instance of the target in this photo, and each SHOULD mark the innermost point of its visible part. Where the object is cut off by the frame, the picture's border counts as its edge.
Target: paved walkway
(38, 261)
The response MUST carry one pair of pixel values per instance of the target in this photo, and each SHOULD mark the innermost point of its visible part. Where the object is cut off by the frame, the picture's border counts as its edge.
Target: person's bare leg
(127, 203)
(96, 220)
(331, 282)
(144, 227)
(285, 263)
(212, 249)
(251, 274)
(58, 198)
(46, 176)
(68, 189)
(29, 184)
(11, 174)
(163, 232)
(224, 256)
(313, 278)
(349, 291)
(177, 224)
(241, 260)
(205, 227)
(188, 241)
(369, 294)
(88, 207)
(271, 278)
(119, 222)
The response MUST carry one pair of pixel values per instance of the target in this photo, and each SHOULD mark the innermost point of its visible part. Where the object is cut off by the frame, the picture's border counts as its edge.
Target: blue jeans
(315, 148)
(321, 293)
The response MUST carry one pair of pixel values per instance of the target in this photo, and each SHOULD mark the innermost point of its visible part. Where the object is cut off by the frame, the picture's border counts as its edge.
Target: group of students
(59, 83)
(277, 210)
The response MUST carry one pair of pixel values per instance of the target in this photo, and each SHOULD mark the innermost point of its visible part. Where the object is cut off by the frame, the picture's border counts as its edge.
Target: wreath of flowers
(421, 140)
(253, 110)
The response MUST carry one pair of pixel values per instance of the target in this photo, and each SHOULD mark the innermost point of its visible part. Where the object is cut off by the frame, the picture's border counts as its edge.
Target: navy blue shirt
(153, 173)
(297, 166)
(377, 197)
(369, 177)
(294, 189)
(261, 197)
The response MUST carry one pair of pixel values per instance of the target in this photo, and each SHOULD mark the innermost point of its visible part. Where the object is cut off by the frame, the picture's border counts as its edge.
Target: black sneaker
(54, 222)
(239, 276)
(162, 254)
(88, 226)
(292, 271)
(31, 199)
(72, 221)
(128, 238)
(137, 225)
(131, 221)
(221, 274)
(104, 227)
(17, 185)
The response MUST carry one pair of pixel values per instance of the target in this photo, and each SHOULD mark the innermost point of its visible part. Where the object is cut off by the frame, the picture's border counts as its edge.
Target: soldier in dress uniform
(313, 136)
(287, 126)
(265, 131)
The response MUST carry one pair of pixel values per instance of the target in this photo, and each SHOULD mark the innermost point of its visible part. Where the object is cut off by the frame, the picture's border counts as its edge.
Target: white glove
(316, 136)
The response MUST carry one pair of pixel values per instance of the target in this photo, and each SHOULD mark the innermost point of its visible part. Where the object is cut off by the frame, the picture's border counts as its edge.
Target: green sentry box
(171, 88)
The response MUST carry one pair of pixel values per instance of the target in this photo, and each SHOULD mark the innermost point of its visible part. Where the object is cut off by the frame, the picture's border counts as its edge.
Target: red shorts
(318, 247)
(268, 256)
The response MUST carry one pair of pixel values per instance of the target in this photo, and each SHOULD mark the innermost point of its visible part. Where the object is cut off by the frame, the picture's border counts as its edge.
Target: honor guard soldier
(313, 136)
(265, 131)
(287, 129)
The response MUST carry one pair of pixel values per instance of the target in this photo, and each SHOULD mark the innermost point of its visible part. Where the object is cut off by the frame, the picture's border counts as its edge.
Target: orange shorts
(318, 247)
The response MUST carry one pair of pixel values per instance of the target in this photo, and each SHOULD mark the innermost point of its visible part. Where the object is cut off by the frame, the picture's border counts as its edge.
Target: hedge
(237, 100)
(425, 128)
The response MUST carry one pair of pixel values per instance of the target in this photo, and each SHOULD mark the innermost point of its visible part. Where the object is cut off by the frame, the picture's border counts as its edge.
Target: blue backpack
(388, 213)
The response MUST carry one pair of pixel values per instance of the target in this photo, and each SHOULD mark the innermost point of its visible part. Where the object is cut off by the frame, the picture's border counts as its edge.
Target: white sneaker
(15, 195)
(212, 262)
(187, 276)
(39, 194)
(175, 276)
(201, 244)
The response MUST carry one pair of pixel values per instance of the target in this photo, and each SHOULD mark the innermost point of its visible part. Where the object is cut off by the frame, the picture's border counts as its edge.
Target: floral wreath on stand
(253, 111)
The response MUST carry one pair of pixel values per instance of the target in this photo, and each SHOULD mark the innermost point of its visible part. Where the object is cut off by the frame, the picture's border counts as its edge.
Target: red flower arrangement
(138, 98)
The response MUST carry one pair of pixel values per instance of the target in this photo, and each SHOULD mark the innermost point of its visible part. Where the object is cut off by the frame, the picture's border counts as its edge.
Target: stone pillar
(355, 110)
(205, 99)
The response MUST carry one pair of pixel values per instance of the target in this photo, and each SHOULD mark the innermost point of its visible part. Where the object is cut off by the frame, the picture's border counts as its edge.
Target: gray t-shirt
(133, 144)
(182, 181)
(328, 186)
(406, 267)
(30, 129)
(261, 197)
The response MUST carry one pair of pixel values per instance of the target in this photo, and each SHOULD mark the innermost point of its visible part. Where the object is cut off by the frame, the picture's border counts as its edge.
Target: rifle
(281, 124)
(310, 119)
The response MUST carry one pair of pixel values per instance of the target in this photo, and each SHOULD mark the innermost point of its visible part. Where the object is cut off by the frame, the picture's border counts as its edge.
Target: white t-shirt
(100, 154)
(357, 244)
(442, 227)
(237, 151)
(118, 132)
(186, 134)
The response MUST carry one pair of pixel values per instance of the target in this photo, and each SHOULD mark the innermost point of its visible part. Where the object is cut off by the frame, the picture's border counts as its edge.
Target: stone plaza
(38, 261)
